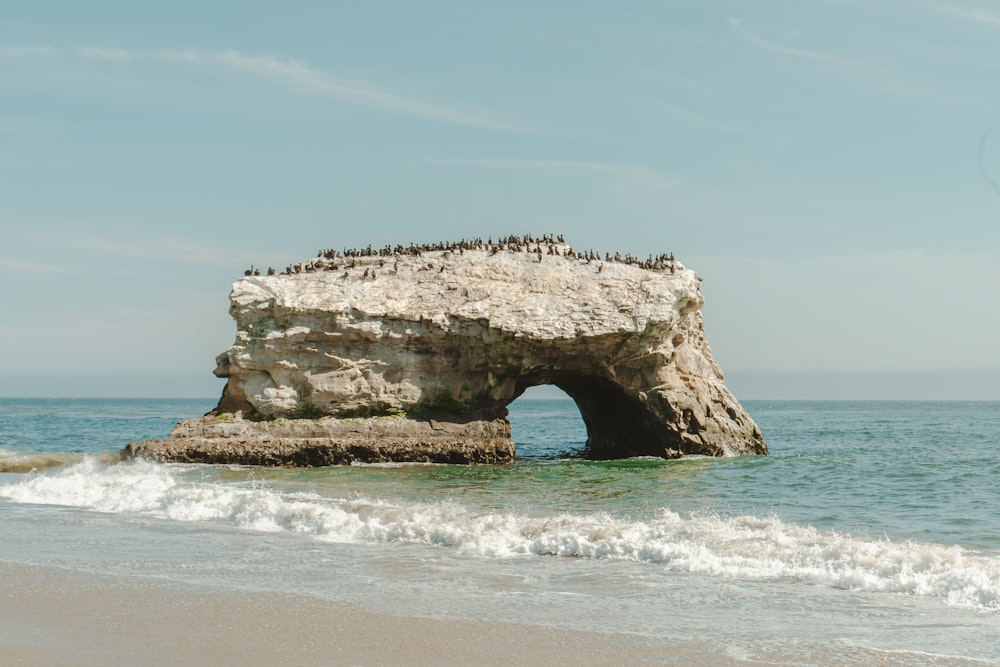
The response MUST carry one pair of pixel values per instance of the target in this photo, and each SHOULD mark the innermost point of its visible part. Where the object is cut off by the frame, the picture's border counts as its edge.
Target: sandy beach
(52, 617)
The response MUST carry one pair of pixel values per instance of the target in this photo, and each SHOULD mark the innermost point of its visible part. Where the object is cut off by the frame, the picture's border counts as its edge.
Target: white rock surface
(459, 335)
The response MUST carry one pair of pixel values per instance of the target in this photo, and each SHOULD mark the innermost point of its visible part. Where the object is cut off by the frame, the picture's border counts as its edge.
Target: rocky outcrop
(454, 336)
(328, 441)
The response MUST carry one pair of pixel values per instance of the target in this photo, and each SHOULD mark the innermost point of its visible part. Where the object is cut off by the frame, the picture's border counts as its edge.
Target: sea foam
(740, 547)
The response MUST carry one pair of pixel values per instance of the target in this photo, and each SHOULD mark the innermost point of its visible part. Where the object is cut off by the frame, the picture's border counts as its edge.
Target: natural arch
(429, 345)
(636, 392)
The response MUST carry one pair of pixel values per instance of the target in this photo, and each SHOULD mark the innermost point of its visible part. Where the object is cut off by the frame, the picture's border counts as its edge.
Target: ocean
(870, 535)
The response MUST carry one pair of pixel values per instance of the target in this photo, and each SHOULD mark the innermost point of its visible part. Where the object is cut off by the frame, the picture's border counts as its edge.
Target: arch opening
(617, 424)
(546, 424)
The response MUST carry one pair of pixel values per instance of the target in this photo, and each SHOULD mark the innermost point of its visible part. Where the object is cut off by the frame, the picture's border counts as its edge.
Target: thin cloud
(540, 165)
(12, 51)
(180, 56)
(168, 250)
(982, 267)
(755, 39)
(634, 185)
(974, 14)
(656, 75)
(91, 53)
(948, 266)
(697, 119)
(673, 81)
(294, 74)
(26, 124)
(21, 266)
(287, 70)
(299, 76)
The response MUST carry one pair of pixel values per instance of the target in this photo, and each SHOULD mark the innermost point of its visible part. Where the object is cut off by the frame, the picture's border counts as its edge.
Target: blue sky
(829, 168)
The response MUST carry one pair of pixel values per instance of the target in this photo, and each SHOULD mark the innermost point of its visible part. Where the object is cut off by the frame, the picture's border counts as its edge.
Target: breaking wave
(25, 462)
(741, 547)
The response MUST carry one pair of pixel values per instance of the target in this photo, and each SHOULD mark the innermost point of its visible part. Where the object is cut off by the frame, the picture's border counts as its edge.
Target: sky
(831, 168)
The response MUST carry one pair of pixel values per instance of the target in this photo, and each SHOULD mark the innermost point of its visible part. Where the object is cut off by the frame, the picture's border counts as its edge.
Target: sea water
(872, 527)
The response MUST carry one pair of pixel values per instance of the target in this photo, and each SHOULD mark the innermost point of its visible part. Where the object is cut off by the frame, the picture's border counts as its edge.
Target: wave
(742, 547)
(26, 462)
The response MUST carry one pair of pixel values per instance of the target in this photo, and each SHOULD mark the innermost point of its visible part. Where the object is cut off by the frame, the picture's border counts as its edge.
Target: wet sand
(52, 617)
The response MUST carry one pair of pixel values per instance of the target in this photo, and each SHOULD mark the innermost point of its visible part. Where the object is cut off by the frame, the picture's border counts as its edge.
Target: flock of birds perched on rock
(546, 245)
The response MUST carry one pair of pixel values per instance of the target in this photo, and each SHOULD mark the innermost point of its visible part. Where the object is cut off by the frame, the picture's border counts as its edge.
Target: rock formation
(328, 441)
(415, 356)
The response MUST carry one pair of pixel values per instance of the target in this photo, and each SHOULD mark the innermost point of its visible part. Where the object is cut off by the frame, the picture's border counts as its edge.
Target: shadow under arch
(618, 424)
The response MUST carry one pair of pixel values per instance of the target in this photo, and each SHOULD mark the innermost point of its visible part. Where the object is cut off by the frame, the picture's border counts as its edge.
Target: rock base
(328, 441)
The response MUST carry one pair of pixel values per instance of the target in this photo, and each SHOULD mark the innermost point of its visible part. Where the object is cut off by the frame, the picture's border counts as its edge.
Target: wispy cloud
(168, 250)
(295, 75)
(299, 76)
(673, 82)
(611, 168)
(20, 266)
(871, 74)
(632, 184)
(754, 38)
(960, 268)
(28, 124)
(656, 75)
(697, 119)
(14, 51)
(291, 71)
(92, 53)
(973, 14)
(963, 270)
(302, 77)
(181, 56)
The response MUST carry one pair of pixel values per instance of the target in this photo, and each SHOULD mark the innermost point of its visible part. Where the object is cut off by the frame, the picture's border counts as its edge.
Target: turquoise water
(872, 525)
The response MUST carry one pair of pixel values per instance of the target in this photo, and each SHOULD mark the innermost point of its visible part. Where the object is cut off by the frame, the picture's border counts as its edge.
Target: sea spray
(739, 547)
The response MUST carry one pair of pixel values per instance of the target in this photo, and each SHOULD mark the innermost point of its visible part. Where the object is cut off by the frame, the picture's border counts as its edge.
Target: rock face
(455, 336)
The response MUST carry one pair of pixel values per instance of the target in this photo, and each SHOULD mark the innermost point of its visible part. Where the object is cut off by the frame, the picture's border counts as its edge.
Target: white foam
(92, 485)
(742, 547)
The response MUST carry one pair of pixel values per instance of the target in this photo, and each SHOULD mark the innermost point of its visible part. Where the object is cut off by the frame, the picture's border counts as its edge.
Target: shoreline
(52, 617)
